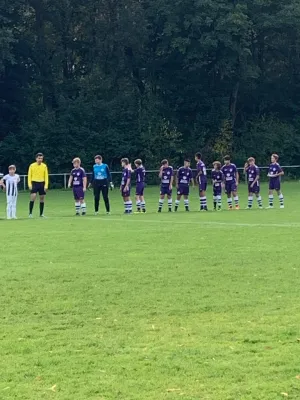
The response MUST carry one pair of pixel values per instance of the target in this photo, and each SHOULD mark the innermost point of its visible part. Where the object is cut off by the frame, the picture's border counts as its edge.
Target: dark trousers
(101, 186)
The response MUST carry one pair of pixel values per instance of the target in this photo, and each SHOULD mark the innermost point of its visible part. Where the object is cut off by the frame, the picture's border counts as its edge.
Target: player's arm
(128, 180)
(246, 166)
(84, 181)
(3, 184)
(237, 177)
(70, 181)
(160, 171)
(171, 181)
(46, 178)
(109, 177)
(30, 177)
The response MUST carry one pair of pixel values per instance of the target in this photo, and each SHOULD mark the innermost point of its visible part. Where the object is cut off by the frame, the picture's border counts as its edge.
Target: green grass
(155, 306)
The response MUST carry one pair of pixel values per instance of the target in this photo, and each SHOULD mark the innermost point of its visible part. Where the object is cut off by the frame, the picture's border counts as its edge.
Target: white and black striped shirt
(11, 183)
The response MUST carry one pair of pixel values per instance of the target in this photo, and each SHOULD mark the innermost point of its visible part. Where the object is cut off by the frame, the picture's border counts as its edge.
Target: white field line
(211, 224)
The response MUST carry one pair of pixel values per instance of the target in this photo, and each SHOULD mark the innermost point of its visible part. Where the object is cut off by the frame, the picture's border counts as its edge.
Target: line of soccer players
(224, 177)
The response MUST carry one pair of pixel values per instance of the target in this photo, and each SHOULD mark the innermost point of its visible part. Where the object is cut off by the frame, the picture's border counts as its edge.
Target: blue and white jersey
(101, 171)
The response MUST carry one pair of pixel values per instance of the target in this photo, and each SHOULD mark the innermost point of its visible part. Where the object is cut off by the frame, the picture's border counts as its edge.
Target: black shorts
(38, 187)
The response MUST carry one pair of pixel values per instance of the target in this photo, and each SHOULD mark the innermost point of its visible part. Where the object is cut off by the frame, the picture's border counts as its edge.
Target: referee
(38, 181)
(101, 180)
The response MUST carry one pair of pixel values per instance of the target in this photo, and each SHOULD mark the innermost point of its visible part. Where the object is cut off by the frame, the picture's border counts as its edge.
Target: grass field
(157, 306)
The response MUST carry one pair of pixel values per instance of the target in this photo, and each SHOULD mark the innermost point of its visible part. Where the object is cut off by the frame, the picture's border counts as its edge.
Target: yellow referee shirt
(38, 173)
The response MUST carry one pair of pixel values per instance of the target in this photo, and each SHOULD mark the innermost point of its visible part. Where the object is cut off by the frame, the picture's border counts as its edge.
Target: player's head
(76, 162)
(124, 162)
(274, 158)
(198, 156)
(39, 158)
(12, 169)
(227, 160)
(165, 163)
(187, 163)
(98, 159)
(251, 160)
(217, 165)
(138, 162)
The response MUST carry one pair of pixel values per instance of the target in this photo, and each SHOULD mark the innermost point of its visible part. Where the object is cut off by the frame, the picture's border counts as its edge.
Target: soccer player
(125, 185)
(140, 174)
(167, 178)
(253, 176)
(10, 185)
(275, 174)
(38, 181)
(201, 178)
(79, 181)
(231, 177)
(217, 181)
(183, 179)
(101, 181)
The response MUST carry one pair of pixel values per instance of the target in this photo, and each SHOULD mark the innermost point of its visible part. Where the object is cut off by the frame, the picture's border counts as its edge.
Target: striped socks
(128, 207)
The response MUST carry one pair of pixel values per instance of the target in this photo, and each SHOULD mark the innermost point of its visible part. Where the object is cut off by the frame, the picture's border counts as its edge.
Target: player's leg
(127, 204)
(82, 202)
(250, 199)
(161, 201)
(271, 198)
(229, 198)
(258, 196)
(186, 202)
(219, 201)
(177, 201)
(14, 207)
(42, 204)
(77, 201)
(170, 201)
(104, 190)
(33, 195)
(215, 199)
(97, 190)
(235, 197)
(203, 199)
(281, 198)
(143, 203)
(8, 207)
(138, 203)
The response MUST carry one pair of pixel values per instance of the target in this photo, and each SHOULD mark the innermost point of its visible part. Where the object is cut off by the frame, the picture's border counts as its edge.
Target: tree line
(151, 79)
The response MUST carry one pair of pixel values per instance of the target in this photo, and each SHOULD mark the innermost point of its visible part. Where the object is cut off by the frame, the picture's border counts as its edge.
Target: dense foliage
(149, 78)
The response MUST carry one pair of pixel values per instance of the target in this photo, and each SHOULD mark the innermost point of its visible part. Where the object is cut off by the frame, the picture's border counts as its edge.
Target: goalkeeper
(101, 181)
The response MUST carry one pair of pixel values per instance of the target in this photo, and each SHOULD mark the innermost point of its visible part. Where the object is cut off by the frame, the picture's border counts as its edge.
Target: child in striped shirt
(10, 185)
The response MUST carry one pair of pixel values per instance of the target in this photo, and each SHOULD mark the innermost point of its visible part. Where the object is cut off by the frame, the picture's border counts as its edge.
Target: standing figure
(140, 174)
(101, 181)
(217, 181)
(231, 177)
(166, 175)
(78, 180)
(126, 185)
(253, 176)
(275, 174)
(183, 179)
(10, 185)
(38, 182)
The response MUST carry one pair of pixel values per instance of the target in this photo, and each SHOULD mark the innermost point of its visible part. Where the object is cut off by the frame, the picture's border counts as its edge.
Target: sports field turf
(156, 306)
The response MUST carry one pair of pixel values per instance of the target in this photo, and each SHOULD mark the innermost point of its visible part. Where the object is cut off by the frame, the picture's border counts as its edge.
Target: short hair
(251, 159)
(125, 161)
(12, 167)
(138, 161)
(276, 156)
(217, 163)
(76, 159)
(98, 157)
(227, 158)
(187, 160)
(39, 155)
(164, 162)
(198, 155)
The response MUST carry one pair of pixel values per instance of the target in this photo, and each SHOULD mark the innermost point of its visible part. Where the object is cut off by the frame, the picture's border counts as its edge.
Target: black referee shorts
(38, 187)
